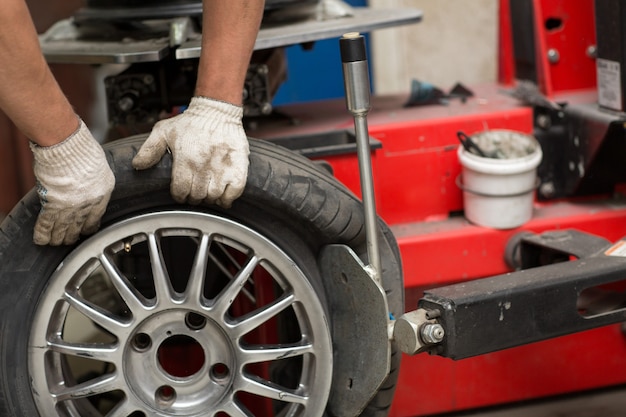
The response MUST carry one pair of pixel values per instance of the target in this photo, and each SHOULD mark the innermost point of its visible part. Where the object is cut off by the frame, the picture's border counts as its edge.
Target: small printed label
(609, 84)
(619, 249)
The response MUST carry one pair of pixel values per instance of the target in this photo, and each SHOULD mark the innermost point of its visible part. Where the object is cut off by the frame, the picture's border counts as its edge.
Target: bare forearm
(229, 32)
(29, 94)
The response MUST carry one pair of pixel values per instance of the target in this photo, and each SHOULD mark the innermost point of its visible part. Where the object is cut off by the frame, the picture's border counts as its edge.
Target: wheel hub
(172, 364)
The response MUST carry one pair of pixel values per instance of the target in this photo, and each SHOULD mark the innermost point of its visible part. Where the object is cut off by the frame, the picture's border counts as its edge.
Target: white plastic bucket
(499, 193)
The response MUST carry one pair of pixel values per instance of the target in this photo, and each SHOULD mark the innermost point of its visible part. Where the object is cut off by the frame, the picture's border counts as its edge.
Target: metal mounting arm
(534, 304)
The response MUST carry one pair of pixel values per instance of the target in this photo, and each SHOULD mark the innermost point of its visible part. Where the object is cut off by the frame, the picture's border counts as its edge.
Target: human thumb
(151, 151)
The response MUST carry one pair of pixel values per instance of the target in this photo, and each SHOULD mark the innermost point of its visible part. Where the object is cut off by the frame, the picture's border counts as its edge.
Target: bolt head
(592, 51)
(553, 56)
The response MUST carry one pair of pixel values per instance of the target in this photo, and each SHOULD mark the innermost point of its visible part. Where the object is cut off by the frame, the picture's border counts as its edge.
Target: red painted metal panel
(506, 60)
(422, 154)
(565, 28)
(440, 253)
(430, 385)
(479, 252)
(415, 171)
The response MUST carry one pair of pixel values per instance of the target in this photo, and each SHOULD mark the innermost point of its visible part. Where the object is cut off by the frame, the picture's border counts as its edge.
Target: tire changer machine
(525, 313)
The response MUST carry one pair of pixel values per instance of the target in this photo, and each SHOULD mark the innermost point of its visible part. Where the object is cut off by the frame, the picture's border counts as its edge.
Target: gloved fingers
(236, 182)
(182, 178)
(59, 230)
(214, 191)
(199, 188)
(152, 149)
(92, 221)
(76, 220)
(44, 225)
(230, 194)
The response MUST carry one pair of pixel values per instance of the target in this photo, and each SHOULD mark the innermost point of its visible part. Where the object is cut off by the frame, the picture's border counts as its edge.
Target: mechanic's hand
(209, 150)
(74, 183)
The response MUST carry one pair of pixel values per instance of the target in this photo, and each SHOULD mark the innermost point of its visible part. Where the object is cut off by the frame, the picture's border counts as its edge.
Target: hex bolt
(432, 333)
(553, 56)
(592, 51)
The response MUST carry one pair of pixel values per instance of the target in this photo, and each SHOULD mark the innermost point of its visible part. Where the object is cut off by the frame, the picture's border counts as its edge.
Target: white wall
(456, 41)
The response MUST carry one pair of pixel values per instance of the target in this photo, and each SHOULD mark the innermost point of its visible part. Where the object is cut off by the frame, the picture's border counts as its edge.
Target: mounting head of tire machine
(562, 284)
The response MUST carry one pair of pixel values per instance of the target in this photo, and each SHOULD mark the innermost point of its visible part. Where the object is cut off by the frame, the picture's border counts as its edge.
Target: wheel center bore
(180, 362)
(181, 356)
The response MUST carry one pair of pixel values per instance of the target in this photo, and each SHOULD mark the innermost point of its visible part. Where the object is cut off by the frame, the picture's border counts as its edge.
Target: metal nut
(432, 333)
(406, 331)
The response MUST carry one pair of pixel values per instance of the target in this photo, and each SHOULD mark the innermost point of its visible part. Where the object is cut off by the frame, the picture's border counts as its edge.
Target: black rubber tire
(300, 196)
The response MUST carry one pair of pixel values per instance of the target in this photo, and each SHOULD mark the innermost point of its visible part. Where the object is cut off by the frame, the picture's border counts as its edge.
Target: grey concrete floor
(605, 403)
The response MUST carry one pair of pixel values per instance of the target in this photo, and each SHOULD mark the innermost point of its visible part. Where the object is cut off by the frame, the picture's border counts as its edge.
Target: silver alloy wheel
(124, 328)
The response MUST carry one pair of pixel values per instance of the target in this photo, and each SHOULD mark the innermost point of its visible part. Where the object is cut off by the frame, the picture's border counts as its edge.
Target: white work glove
(74, 183)
(209, 150)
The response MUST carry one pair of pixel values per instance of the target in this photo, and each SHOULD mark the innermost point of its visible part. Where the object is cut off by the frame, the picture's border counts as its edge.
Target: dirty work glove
(209, 150)
(74, 183)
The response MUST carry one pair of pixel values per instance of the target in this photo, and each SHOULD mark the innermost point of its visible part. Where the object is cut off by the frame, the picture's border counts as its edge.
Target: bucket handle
(469, 144)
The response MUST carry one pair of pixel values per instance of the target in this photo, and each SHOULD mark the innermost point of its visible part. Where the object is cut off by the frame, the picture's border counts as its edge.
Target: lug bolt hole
(165, 396)
(219, 372)
(142, 342)
(195, 321)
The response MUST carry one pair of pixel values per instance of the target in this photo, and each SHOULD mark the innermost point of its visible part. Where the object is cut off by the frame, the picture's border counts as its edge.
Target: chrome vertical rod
(357, 89)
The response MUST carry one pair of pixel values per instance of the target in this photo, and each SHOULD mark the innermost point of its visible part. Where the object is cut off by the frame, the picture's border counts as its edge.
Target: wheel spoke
(228, 294)
(99, 316)
(234, 409)
(273, 353)
(226, 272)
(263, 388)
(100, 352)
(162, 286)
(133, 299)
(123, 409)
(198, 271)
(100, 385)
(261, 316)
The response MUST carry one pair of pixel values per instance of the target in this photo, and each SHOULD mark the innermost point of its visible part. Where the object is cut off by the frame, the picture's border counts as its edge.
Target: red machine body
(415, 175)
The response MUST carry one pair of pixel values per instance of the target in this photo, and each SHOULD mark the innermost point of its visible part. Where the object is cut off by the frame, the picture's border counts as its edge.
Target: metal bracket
(359, 311)
(67, 42)
(534, 304)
